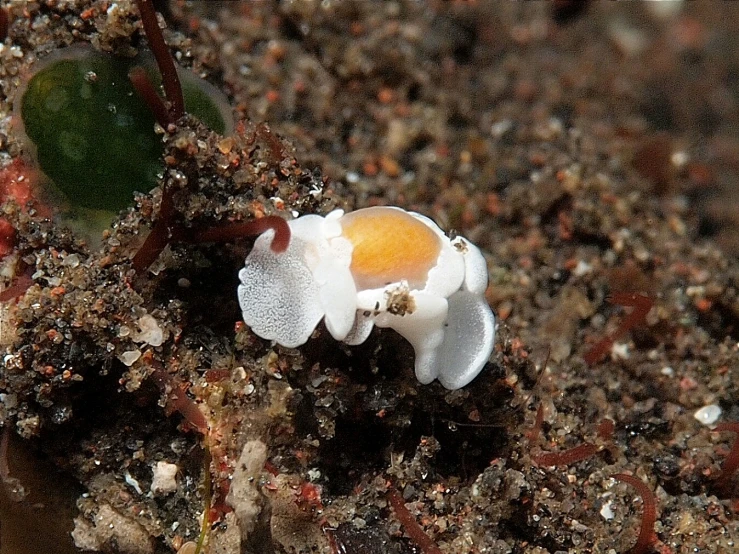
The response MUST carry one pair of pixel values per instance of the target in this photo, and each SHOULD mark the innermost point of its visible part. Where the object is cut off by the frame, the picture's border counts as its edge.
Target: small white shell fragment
(708, 415)
(378, 266)
(132, 482)
(72, 260)
(150, 332)
(620, 351)
(606, 512)
(164, 480)
(129, 357)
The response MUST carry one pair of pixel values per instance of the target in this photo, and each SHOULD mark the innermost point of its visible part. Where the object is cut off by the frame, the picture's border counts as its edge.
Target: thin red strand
(223, 233)
(606, 429)
(533, 433)
(13, 486)
(17, 288)
(146, 91)
(177, 399)
(155, 243)
(170, 79)
(567, 457)
(647, 536)
(410, 525)
(731, 462)
(641, 304)
(160, 235)
(275, 146)
(4, 24)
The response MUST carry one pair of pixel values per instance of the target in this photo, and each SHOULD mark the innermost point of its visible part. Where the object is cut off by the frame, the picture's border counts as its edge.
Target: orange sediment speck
(389, 246)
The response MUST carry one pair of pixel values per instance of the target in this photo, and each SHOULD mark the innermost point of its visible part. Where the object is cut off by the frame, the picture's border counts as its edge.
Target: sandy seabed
(588, 154)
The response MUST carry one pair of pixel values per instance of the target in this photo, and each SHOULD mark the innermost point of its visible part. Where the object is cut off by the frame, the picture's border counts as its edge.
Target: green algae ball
(93, 136)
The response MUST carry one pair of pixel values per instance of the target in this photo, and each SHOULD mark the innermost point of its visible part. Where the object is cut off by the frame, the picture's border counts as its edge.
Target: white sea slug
(376, 266)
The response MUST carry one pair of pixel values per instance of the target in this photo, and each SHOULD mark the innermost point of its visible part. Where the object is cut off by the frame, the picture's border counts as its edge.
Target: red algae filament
(17, 288)
(605, 429)
(578, 453)
(146, 91)
(646, 537)
(263, 132)
(731, 463)
(410, 525)
(177, 399)
(258, 226)
(641, 304)
(533, 433)
(170, 79)
(4, 24)
(13, 486)
(164, 232)
(158, 238)
(567, 457)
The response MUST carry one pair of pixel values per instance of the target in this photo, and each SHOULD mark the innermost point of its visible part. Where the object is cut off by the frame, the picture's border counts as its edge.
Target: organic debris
(641, 305)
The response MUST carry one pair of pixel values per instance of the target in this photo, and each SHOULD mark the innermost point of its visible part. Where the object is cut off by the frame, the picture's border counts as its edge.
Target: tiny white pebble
(708, 415)
(73, 260)
(164, 480)
(500, 128)
(130, 357)
(606, 511)
(620, 351)
(679, 159)
(150, 333)
(582, 268)
(667, 371)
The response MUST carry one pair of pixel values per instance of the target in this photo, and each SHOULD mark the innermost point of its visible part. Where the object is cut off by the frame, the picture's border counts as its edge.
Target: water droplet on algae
(94, 137)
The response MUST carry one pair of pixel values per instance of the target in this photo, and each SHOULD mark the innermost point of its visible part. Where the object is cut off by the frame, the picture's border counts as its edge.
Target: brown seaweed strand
(641, 304)
(146, 91)
(207, 498)
(646, 537)
(165, 62)
(410, 525)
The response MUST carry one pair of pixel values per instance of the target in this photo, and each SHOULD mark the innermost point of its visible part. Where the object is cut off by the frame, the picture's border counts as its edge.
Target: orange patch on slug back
(389, 245)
